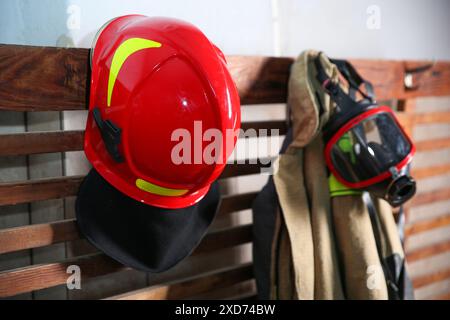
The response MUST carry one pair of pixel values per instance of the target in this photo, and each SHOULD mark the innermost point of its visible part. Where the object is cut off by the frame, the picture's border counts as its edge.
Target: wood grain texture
(433, 82)
(433, 144)
(428, 251)
(43, 78)
(427, 172)
(61, 187)
(429, 197)
(38, 189)
(41, 276)
(260, 79)
(37, 235)
(412, 119)
(188, 287)
(427, 225)
(425, 280)
(244, 296)
(48, 78)
(45, 234)
(62, 141)
(40, 142)
(239, 291)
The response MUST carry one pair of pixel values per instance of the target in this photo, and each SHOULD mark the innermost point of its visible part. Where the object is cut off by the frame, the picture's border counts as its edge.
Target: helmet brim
(140, 236)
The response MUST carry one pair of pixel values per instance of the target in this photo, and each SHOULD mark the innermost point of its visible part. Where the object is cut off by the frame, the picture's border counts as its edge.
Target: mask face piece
(370, 152)
(366, 147)
(364, 150)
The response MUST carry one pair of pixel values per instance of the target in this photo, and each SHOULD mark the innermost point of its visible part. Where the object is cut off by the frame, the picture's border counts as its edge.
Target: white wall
(411, 29)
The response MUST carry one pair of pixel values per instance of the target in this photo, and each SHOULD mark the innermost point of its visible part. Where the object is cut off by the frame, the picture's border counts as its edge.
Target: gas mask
(365, 145)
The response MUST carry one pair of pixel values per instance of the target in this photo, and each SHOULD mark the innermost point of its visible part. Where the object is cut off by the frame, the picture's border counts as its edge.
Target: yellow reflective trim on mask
(161, 191)
(338, 189)
(126, 48)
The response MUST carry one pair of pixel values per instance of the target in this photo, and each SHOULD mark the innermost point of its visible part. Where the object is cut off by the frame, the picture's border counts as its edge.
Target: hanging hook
(408, 79)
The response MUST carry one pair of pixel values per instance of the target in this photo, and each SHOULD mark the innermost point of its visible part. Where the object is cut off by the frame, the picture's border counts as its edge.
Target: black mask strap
(111, 135)
(354, 79)
(342, 99)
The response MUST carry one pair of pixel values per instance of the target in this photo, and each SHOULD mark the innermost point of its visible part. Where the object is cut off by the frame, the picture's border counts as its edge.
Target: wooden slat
(43, 78)
(280, 125)
(185, 288)
(244, 296)
(431, 117)
(244, 169)
(407, 105)
(428, 251)
(444, 296)
(40, 235)
(431, 278)
(411, 119)
(427, 225)
(47, 78)
(37, 277)
(37, 235)
(40, 142)
(237, 202)
(61, 141)
(260, 79)
(238, 291)
(387, 77)
(39, 189)
(226, 238)
(427, 145)
(66, 186)
(429, 197)
(432, 82)
(427, 172)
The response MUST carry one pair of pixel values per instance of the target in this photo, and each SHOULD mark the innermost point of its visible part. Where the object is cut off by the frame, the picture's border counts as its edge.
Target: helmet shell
(150, 77)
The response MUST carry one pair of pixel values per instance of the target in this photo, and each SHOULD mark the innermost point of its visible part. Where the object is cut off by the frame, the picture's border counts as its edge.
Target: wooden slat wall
(425, 255)
(46, 79)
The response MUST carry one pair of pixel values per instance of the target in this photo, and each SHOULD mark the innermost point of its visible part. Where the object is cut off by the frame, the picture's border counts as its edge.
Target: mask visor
(363, 151)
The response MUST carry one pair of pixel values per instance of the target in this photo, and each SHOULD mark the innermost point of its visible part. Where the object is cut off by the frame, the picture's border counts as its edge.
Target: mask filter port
(401, 189)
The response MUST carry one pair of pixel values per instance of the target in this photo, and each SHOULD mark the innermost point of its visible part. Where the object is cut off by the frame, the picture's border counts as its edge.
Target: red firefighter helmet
(150, 77)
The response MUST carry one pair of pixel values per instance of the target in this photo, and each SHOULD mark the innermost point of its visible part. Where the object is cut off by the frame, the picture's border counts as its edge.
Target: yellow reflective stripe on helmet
(126, 48)
(153, 188)
(338, 189)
